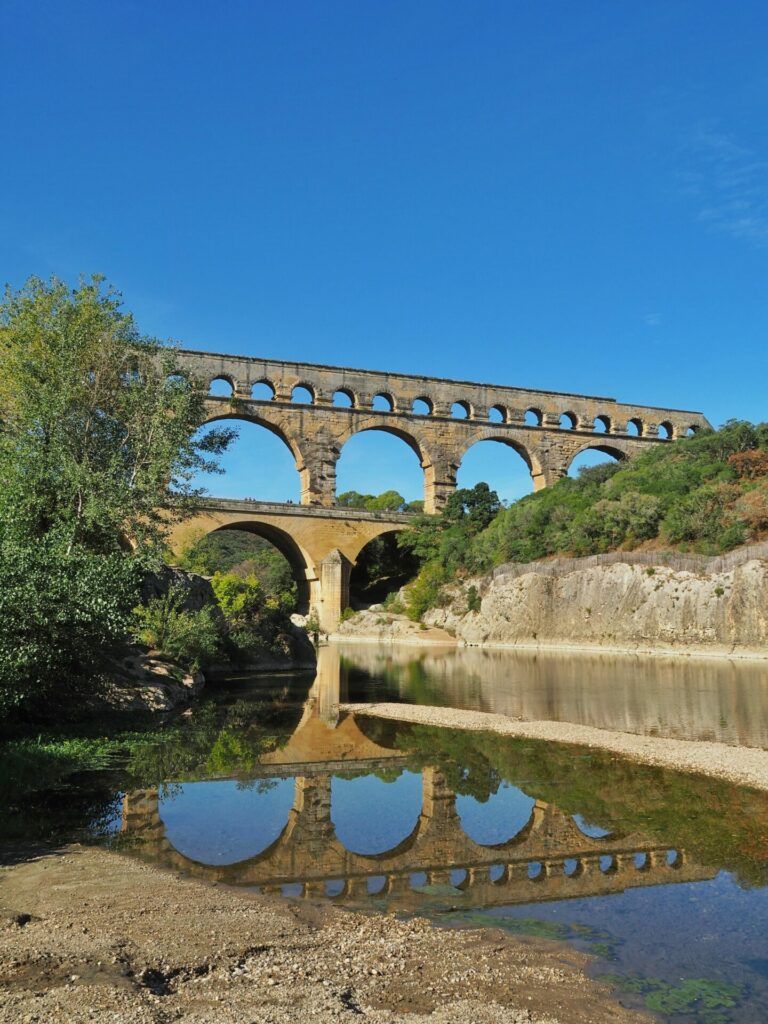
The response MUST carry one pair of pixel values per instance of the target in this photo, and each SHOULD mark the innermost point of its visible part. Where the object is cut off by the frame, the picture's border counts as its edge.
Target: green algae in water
(599, 942)
(704, 1000)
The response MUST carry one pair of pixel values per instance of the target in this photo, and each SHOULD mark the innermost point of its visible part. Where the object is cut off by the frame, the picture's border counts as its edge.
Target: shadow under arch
(294, 554)
(381, 567)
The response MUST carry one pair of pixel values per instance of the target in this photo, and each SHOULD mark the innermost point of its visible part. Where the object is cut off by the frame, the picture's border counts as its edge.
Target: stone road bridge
(315, 409)
(320, 544)
(549, 858)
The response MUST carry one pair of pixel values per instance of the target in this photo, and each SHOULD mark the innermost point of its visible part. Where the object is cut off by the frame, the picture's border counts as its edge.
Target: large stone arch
(528, 452)
(300, 562)
(616, 448)
(302, 566)
(276, 424)
(412, 438)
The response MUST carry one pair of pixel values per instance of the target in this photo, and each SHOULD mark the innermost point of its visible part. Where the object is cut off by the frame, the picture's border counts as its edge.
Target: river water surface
(662, 876)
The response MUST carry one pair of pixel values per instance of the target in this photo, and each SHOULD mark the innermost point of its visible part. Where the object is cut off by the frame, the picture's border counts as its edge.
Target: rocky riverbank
(709, 607)
(88, 935)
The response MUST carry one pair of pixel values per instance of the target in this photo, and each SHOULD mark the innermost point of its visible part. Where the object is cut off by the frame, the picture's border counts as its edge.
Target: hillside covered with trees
(705, 494)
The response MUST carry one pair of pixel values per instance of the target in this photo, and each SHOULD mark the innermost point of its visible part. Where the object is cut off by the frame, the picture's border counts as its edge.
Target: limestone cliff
(619, 605)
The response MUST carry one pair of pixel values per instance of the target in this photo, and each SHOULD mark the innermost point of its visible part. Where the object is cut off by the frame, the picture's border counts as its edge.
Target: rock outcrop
(144, 681)
(614, 606)
(375, 623)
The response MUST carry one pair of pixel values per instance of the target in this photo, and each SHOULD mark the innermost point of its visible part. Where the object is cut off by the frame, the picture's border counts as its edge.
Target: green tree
(98, 448)
(98, 439)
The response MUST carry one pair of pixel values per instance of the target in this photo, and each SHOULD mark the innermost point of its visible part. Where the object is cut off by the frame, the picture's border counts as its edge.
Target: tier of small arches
(532, 872)
(305, 393)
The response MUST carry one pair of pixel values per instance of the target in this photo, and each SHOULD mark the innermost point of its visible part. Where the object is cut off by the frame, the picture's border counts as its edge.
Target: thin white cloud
(730, 184)
(652, 319)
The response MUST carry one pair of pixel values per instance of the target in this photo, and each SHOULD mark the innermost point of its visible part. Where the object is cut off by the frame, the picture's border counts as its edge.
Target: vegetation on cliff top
(705, 494)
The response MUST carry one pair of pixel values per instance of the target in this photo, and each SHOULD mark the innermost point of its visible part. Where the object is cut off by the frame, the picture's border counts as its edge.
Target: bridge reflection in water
(550, 858)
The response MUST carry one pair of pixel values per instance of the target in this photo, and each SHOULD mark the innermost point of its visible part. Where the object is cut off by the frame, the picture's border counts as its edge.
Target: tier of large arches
(269, 463)
(189, 822)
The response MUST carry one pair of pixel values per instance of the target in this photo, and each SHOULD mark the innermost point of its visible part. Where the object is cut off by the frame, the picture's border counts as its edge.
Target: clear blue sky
(561, 195)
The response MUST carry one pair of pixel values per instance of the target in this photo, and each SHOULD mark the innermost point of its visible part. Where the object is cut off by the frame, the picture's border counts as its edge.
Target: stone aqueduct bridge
(548, 429)
(549, 858)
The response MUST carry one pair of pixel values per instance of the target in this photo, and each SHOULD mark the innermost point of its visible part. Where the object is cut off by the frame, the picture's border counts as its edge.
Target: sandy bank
(745, 766)
(88, 935)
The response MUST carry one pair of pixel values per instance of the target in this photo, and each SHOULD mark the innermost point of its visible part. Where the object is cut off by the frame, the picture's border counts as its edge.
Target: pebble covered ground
(90, 935)
(744, 766)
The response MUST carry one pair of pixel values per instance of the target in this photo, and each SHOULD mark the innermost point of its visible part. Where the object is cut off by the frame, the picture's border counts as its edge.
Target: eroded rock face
(620, 606)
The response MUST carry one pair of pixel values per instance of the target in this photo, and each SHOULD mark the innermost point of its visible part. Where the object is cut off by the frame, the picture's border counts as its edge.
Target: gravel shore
(88, 935)
(745, 766)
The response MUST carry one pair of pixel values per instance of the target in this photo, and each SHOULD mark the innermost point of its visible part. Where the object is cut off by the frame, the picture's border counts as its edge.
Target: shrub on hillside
(192, 638)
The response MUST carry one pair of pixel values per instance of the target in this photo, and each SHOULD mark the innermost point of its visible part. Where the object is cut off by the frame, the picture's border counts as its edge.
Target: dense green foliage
(707, 494)
(194, 639)
(387, 501)
(59, 613)
(256, 622)
(244, 624)
(244, 554)
(95, 423)
(442, 544)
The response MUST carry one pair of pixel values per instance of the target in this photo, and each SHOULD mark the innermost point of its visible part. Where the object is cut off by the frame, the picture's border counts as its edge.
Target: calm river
(662, 876)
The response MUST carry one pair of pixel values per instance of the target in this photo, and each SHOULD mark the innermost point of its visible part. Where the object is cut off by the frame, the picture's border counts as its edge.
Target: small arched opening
(533, 417)
(422, 406)
(381, 568)
(569, 421)
(263, 391)
(503, 464)
(383, 402)
(461, 410)
(635, 427)
(344, 399)
(602, 424)
(692, 431)
(221, 387)
(498, 414)
(666, 430)
(303, 394)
